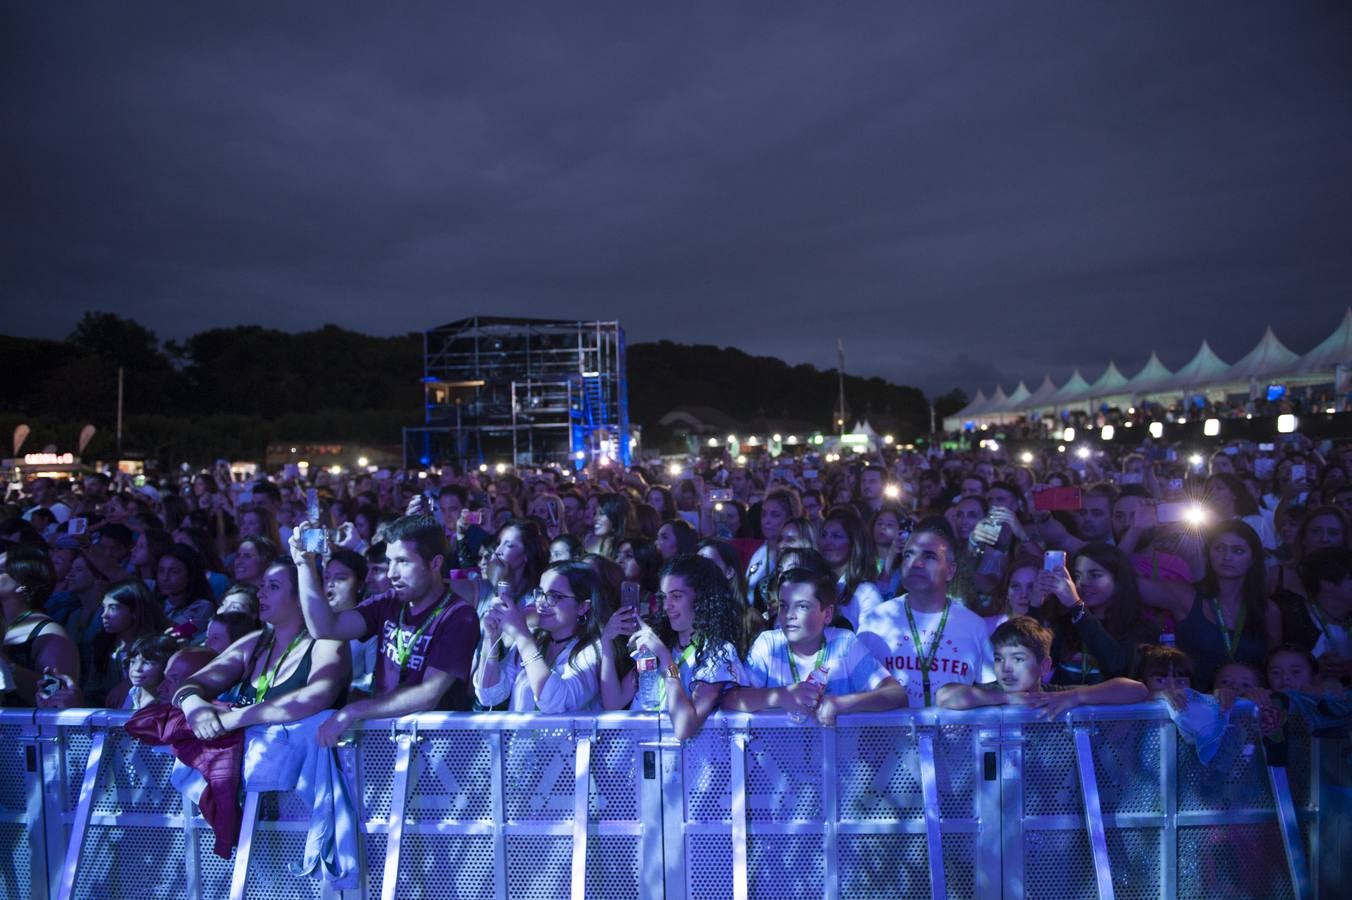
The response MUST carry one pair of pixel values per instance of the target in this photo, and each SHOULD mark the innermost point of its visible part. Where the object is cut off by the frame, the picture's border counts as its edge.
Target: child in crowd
(807, 669)
(144, 671)
(226, 628)
(1023, 663)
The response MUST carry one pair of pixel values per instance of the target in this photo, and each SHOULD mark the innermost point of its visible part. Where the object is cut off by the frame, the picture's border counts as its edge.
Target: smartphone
(1058, 499)
(77, 525)
(1175, 485)
(315, 540)
(473, 516)
(1231, 451)
(809, 474)
(1053, 560)
(629, 594)
(1171, 513)
(1267, 448)
(1298, 474)
(720, 495)
(1130, 478)
(1262, 467)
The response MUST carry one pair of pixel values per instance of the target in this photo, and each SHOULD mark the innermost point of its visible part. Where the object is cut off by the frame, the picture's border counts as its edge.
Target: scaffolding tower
(535, 389)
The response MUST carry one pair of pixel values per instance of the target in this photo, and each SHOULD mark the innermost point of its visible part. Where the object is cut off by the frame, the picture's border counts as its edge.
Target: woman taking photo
(1096, 620)
(698, 643)
(284, 675)
(554, 668)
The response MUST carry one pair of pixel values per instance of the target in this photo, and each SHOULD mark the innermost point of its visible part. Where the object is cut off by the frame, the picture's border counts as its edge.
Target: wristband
(183, 693)
(674, 671)
(1077, 613)
(532, 658)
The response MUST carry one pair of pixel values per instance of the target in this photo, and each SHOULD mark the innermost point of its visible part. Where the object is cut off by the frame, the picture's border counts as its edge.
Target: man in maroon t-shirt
(427, 634)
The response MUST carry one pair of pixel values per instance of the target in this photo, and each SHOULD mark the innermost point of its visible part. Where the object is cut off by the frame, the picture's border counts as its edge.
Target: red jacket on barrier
(219, 761)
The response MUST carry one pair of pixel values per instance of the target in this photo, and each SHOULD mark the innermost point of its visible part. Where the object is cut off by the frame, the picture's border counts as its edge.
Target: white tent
(1010, 408)
(1334, 351)
(1153, 374)
(1041, 398)
(954, 422)
(1071, 393)
(1270, 358)
(992, 411)
(1204, 370)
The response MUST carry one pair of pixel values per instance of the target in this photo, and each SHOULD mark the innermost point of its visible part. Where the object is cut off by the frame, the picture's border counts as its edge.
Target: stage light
(1211, 427)
(1107, 433)
(1068, 435)
(1286, 423)
(1157, 430)
(1026, 457)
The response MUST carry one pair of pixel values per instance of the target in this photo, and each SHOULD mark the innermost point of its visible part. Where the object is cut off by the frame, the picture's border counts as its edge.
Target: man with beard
(925, 638)
(427, 634)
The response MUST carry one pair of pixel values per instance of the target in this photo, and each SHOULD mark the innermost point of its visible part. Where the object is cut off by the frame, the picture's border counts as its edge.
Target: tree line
(229, 391)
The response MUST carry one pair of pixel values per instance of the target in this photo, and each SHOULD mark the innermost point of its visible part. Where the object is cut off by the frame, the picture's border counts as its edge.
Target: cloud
(964, 195)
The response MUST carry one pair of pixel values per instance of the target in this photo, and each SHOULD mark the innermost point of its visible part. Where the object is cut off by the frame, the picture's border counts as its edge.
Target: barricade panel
(492, 800)
(18, 843)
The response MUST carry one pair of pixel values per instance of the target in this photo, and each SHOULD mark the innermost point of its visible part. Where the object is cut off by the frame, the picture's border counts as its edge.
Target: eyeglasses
(548, 599)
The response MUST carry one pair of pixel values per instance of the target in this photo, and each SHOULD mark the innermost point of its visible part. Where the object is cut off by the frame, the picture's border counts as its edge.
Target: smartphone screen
(629, 594)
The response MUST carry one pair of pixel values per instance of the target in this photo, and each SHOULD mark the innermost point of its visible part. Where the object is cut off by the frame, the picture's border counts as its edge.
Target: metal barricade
(1103, 802)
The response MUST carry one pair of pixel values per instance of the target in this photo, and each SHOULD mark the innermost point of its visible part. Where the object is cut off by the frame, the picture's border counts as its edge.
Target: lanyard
(925, 659)
(793, 666)
(687, 658)
(1322, 625)
(1231, 636)
(403, 649)
(265, 680)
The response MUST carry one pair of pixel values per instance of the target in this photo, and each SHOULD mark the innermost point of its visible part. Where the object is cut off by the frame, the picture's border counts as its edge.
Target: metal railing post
(404, 740)
(80, 826)
(934, 839)
(737, 757)
(1093, 813)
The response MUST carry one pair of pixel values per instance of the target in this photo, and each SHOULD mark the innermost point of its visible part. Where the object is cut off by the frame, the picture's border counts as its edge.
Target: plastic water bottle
(649, 680)
(817, 676)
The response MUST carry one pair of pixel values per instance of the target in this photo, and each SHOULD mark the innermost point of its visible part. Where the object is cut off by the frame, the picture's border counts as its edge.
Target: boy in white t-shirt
(781, 663)
(924, 637)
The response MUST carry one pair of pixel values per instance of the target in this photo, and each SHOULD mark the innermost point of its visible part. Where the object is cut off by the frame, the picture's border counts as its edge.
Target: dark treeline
(229, 391)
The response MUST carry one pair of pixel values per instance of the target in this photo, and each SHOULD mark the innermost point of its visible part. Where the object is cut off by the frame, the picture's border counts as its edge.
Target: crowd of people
(818, 586)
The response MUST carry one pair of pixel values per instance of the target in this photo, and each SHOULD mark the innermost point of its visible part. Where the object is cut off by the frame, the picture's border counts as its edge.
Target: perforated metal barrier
(1105, 802)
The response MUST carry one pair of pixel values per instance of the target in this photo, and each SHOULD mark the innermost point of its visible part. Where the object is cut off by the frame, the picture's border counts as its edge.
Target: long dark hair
(589, 587)
(860, 564)
(1122, 620)
(620, 512)
(1254, 589)
(198, 587)
(718, 618)
(147, 617)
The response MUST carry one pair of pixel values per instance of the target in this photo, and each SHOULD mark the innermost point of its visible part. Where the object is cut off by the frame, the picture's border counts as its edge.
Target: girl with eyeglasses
(554, 668)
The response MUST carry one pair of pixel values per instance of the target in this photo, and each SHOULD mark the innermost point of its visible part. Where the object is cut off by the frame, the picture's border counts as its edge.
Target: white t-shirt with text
(963, 657)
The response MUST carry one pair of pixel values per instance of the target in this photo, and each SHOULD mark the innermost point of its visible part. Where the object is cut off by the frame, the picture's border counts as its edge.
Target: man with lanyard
(924, 638)
(808, 669)
(1323, 622)
(427, 633)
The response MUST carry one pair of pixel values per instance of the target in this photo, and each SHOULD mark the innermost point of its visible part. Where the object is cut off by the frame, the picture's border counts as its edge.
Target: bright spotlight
(891, 492)
(1068, 435)
(363, 461)
(1082, 453)
(1026, 457)
(1211, 427)
(1286, 423)
(1157, 430)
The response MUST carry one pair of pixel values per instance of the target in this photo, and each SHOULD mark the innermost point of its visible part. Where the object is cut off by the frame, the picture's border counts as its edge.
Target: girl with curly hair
(698, 642)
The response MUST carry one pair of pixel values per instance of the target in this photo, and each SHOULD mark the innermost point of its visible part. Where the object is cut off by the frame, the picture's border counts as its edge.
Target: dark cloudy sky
(963, 192)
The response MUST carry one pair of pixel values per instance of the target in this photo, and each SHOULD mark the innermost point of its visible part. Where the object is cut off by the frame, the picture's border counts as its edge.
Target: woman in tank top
(279, 674)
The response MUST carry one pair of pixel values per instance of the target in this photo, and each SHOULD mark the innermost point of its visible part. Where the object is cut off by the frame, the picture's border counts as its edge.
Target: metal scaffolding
(534, 389)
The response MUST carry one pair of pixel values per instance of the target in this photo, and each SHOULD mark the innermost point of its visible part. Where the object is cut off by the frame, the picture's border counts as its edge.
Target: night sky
(964, 192)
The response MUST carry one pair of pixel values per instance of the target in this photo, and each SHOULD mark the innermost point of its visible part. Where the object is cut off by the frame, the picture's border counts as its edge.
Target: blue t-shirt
(850, 667)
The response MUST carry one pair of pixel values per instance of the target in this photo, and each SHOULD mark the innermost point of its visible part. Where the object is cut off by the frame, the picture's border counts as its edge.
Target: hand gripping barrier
(1102, 802)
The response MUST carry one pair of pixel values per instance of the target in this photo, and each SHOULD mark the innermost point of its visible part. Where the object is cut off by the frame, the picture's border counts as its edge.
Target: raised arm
(320, 619)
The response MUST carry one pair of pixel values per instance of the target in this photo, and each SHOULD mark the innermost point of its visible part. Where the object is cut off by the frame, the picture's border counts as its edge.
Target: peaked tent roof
(997, 401)
(1013, 401)
(1268, 357)
(1043, 395)
(1203, 369)
(1335, 350)
(1153, 374)
(1112, 381)
(973, 407)
(1075, 387)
